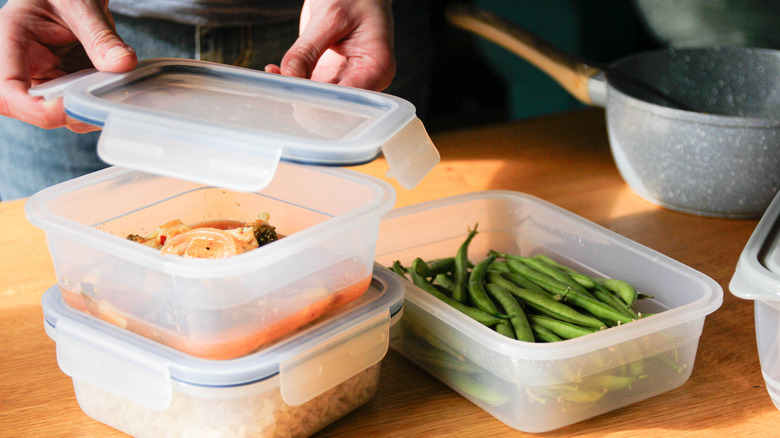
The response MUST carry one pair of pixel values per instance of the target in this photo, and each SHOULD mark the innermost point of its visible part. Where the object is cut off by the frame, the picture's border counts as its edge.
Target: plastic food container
(537, 387)
(197, 141)
(294, 388)
(757, 278)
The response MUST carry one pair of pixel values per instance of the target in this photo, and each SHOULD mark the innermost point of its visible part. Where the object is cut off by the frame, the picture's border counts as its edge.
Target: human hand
(42, 40)
(346, 42)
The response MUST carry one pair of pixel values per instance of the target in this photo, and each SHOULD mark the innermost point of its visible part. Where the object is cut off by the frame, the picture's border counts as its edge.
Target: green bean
(512, 308)
(637, 368)
(549, 284)
(582, 395)
(565, 293)
(666, 361)
(571, 393)
(626, 291)
(437, 344)
(445, 280)
(523, 282)
(580, 278)
(623, 289)
(442, 289)
(583, 280)
(474, 313)
(498, 266)
(478, 315)
(598, 309)
(549, 271)
(505, 329)
(546, 268)
(637, 364)
(597, 291)
(610, 382)
(543, 303)
(610, 299)
(440, 359)
(460, 292)
(544, 335)
(419, 280)
(476, 285)
(476, 389)
(563, 329)
(431, 268)
(398, 268)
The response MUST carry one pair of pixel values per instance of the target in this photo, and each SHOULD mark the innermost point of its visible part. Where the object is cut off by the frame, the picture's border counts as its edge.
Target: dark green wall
(477, 82)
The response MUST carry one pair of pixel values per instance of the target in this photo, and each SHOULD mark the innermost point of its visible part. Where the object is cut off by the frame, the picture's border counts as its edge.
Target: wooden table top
(563, 159)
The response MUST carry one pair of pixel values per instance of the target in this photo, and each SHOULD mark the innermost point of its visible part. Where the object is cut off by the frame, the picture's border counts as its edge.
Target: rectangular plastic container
(538, 387)
(212, 308)
(293, 388)
(757, 278)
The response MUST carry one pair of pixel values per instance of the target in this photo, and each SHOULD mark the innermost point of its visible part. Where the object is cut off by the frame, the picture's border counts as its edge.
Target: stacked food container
(281, 339)
(292, 387)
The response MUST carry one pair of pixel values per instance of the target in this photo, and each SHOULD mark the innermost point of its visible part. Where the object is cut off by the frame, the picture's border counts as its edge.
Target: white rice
(256, 415)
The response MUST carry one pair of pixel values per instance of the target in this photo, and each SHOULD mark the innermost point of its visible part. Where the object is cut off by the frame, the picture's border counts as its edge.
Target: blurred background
(476, 82)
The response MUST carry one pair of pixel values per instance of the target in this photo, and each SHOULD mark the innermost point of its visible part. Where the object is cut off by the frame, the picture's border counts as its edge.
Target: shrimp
(204, 243)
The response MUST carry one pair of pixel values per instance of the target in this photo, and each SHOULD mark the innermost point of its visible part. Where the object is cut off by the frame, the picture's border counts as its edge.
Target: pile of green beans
(528, 298)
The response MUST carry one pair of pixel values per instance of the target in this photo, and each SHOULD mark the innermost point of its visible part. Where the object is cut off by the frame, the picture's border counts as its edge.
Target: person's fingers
(345, 42)
(79, 127)
(15, 102)
(15, 82)
(320, 33)
(273, 68)
(91, 23)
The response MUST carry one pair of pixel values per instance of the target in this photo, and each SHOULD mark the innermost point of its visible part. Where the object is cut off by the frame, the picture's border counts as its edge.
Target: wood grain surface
(564, 159)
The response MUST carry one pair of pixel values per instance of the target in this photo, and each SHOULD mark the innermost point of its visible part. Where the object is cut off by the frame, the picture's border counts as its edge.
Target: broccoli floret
(134, 238)
(264, 233)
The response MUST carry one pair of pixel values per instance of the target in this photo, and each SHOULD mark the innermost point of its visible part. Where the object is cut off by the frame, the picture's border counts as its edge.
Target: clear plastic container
(537, 387)
(293, 388)
(230, 126)
(757, 278)
(212, 308)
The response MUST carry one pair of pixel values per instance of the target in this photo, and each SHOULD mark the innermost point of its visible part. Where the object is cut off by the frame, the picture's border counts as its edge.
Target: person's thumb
(94, 28)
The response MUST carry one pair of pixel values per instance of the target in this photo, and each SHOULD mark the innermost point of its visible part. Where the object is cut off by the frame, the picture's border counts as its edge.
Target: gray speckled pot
(721, 158)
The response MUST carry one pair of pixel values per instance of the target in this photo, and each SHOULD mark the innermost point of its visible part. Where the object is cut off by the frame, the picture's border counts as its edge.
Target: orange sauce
(238, 340)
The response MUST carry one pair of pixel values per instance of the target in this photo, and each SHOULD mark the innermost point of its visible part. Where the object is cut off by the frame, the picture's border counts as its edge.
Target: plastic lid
(308, 362)
(757, 276)
(229, 126)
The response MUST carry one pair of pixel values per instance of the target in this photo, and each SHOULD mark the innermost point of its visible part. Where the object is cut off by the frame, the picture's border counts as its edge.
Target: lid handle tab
(410, 153)
(90, 357)
(186, 151)
(329, 363)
